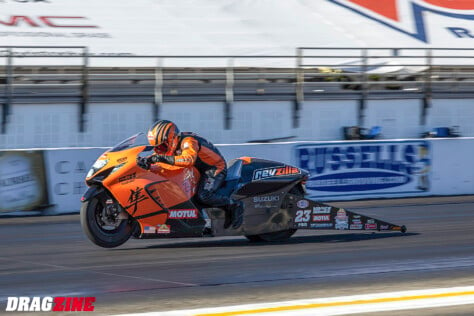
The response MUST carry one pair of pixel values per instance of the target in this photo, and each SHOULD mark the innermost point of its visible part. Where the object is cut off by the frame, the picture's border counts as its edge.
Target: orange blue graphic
(388, 12)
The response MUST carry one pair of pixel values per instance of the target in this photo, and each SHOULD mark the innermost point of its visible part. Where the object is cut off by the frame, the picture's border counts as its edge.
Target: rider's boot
(234, 215)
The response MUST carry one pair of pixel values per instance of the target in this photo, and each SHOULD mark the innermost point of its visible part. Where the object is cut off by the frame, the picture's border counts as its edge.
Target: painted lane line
(336, 304)
(66, 268)
(416, 299)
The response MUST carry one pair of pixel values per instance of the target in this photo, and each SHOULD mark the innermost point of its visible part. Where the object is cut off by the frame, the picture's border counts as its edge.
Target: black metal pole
(364, 90)
(428, 93)
(229, 94)
(6, 106)
(158, 92)
(84, 91)
(299, 93)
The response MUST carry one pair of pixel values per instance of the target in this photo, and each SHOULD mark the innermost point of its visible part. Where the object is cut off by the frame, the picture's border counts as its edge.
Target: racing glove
(161, 158)
(142, 162)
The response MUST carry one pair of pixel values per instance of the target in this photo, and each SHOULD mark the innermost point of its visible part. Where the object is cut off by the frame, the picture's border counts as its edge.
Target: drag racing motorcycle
(124, 200)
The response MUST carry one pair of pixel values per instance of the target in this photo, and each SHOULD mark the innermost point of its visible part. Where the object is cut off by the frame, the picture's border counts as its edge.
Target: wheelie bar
(309, 214)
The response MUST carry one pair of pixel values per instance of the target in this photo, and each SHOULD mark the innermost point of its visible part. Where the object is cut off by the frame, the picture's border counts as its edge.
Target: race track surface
(50, 256)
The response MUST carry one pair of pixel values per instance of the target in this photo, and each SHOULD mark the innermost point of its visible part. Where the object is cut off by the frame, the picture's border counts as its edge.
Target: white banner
(340, 170)
(66, 171)
(229, 27)
(392, 168)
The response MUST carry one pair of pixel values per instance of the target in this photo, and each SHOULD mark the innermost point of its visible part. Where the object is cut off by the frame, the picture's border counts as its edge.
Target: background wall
(430, 166)
(451, 112)
(56, 125)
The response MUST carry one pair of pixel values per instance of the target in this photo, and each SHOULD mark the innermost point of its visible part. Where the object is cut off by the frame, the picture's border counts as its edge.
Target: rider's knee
(204, 196)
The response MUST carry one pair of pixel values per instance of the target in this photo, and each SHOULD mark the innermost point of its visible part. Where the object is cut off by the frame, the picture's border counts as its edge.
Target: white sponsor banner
(345, 170)
(366, 168)
(228, 27)
(66, 171)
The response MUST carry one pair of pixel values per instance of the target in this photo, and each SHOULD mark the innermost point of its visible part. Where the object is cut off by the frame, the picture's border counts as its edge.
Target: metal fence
(72, 74)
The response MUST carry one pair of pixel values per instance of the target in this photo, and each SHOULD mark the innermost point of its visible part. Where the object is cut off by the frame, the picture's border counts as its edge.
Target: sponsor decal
(183, 214)
(269, 198)
(321, 209)
(341, 215)
(27, 1)
(260, 174)
(266, 201)
(303, 216)
(149, 230)
(381, 167)
(128, 178)
(136, 196)
(150, 136)
(356, 226)
(302, 225)
(384, 227)
(321, 218)
(370, 226)
(341, 219)
(409, 17)
(46, 21)
(189, 183)
(302, 203)
(50, 304)
(163, 229)
(122, 160)
(356, 219)
(321, 225)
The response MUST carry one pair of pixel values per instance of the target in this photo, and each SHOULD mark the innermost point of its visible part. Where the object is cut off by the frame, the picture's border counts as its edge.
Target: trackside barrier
(340, 170)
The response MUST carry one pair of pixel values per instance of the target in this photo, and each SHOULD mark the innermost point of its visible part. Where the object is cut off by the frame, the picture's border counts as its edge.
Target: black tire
(107, 238)
(273, 236)
(253, 238)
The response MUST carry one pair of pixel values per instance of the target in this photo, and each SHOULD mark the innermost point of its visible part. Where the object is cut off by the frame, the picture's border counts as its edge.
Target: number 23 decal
(302, 216)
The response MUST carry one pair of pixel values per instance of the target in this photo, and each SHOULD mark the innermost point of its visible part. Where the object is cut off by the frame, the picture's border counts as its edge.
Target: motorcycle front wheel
(99, 228)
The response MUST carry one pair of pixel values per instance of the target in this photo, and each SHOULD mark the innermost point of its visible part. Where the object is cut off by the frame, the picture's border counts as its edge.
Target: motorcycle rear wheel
(97, 231)
(279, 235)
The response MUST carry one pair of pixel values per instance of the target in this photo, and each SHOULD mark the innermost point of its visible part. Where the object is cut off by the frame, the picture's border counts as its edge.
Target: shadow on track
(209, 243)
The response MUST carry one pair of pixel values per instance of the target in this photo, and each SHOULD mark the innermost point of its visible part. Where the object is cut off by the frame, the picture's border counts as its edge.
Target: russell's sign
(365, 167)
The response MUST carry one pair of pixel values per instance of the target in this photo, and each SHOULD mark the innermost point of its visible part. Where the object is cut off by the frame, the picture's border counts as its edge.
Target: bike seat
(232, 179)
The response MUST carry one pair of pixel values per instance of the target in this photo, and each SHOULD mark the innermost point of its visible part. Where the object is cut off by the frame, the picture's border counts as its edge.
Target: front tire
(97, 230)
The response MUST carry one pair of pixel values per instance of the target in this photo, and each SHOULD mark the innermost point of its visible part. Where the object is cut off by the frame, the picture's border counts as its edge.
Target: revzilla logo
(409, 16)
(264, 173)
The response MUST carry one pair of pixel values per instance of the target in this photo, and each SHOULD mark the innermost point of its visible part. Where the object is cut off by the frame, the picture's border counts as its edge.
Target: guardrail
(318, 73)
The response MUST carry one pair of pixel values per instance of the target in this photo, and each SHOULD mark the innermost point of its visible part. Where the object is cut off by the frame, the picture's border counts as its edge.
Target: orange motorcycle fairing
(149, 195)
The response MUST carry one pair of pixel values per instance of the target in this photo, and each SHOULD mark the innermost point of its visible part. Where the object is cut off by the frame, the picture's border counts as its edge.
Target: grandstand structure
(82, 80)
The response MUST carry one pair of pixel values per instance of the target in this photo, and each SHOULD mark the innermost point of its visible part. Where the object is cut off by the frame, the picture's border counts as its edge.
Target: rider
(186, 150)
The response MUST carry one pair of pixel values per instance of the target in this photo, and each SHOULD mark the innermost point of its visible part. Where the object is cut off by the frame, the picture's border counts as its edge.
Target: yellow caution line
(338, 304)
